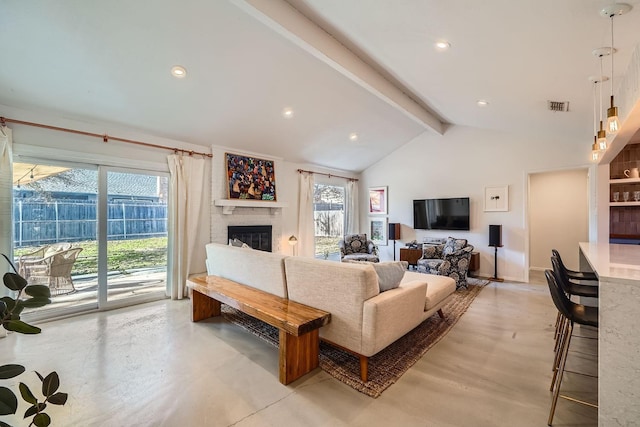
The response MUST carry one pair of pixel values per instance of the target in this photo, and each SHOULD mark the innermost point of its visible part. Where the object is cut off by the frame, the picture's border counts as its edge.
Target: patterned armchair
(356, 247)
(450, 259)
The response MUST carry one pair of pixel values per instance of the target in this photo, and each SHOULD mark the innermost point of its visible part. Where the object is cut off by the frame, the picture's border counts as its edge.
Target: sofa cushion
(390, 274)
(258, 269)
(439, 288)
(452, 245)
(361, 258)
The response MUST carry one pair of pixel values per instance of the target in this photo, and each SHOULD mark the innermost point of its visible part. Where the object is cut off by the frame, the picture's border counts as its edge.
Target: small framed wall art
(378, 231)
(250, 178)
(496, 199)
(378, 201)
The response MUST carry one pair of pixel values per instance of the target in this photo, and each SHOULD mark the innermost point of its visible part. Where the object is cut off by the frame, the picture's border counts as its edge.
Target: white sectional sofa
(363, 319)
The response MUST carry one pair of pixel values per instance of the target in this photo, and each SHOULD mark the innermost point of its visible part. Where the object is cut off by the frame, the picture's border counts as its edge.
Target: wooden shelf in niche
(625, 181)
(630, 203)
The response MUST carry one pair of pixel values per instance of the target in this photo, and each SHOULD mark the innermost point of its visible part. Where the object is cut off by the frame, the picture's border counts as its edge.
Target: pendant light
(602, 135)
(613, 123)
(595, 149)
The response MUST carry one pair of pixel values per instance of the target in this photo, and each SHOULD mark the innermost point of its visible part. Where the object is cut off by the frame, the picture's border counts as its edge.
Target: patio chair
(24, 262)
(53, 270)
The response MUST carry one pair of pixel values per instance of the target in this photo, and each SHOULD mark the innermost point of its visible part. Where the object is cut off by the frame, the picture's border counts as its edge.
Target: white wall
(461, 163)
(558, 216)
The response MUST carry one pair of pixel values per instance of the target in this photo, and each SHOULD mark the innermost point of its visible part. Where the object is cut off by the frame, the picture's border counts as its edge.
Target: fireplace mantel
(228, 205)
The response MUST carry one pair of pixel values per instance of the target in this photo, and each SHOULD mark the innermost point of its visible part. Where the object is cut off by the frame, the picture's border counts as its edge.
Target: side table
(410, 255)
(474, 264)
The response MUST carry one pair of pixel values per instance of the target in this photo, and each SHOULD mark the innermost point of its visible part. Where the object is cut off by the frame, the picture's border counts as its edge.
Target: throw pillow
(236, 242)
(355, 243)
(452, 245)
(390, 274)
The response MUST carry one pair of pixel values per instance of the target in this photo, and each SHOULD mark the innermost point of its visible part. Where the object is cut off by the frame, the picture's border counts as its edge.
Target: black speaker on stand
(394, 234)
(495, 240)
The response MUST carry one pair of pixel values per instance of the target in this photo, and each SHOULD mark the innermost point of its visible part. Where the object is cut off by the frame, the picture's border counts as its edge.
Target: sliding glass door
(136, 237)
(96, 236)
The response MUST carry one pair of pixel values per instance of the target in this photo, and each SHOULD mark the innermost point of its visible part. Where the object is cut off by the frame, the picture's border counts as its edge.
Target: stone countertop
(614, 262)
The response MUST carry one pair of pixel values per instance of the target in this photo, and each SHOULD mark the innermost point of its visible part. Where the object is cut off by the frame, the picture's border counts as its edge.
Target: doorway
(95, 235)
(558, 218)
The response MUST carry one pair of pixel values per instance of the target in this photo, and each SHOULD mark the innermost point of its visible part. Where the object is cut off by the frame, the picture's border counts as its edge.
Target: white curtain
(188, 214)
(306, 227)
(351, 214)
(6, 203)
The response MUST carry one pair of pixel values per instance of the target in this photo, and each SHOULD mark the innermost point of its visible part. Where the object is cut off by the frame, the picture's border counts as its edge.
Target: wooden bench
(299, 343)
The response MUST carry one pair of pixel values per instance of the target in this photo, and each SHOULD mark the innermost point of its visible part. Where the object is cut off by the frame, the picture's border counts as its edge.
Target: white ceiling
(109, 62)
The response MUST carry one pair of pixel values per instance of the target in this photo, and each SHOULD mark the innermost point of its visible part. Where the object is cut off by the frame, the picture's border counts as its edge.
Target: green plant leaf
(15, 315)
(3, 424)
(38, 291)
(42, 420)
(50, 384)
(21, 327)
(33, 302)
(14, 281)
(10, 371)
(8, 402)
(34, 409)
(58, 398)
(39, 376)
(27, 396)
(3, 308)
(9, 301)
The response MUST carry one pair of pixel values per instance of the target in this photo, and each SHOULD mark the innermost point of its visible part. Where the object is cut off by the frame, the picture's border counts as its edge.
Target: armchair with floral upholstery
(449, 259)
(356, 247)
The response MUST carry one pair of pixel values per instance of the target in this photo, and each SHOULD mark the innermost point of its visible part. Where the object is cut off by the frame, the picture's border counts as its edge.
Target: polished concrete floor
(148, 365)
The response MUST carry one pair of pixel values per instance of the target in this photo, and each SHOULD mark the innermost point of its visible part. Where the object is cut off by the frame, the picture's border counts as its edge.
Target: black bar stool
(575, 275)
(573, 313)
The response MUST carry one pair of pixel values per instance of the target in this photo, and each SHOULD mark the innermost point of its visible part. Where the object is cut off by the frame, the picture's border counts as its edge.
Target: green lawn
(122, 255)
(324, 243)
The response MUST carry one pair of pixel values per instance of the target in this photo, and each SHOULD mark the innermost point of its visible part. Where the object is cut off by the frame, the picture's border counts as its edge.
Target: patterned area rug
(386, 367)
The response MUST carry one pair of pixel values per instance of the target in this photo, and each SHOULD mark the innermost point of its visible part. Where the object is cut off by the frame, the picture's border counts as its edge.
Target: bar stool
(576, 275)
(573, 313)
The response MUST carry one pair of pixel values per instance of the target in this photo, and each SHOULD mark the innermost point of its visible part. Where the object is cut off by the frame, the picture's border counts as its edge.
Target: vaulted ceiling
(343, 66)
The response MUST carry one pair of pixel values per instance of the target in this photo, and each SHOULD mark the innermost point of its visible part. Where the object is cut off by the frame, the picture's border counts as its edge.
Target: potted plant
(10, 310)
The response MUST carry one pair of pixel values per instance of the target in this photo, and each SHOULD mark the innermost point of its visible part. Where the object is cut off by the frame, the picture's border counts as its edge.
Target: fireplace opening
(257, 236)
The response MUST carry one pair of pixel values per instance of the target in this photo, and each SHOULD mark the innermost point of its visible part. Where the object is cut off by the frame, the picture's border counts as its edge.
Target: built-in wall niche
(624, 195)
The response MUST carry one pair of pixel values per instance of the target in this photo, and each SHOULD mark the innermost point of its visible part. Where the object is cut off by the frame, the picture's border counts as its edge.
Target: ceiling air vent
(558, 105)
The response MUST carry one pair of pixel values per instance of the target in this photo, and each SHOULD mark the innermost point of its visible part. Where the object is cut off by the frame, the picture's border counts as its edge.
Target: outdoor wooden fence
(38, 222)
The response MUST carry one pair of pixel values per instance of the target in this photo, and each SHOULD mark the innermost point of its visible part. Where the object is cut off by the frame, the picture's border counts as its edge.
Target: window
(328, 215)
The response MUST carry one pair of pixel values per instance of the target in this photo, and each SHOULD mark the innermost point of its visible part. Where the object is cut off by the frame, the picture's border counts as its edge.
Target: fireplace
(256, 236)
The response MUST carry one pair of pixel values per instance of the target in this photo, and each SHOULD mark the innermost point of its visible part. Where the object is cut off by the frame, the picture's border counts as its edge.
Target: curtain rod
(105, 137)
(328, 174)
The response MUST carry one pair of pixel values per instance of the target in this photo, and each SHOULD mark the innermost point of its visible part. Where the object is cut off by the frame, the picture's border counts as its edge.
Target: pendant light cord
(612, 57)
(595, 118)
(601, 79)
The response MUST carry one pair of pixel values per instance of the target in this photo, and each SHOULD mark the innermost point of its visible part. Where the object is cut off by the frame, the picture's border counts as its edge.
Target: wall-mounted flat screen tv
(441, 214)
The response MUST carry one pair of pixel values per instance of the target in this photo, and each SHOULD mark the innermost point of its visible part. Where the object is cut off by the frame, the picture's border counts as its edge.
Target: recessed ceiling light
(353, 136)
(482, 102)
(287, 113)
(178, 71)
(442, 45)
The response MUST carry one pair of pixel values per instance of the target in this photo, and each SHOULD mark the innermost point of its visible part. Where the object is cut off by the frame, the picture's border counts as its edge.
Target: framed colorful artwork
(250, 178)
(378, 200)
(378, 231)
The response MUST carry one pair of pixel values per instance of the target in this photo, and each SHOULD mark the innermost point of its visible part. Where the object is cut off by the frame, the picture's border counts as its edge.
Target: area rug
(386, 367)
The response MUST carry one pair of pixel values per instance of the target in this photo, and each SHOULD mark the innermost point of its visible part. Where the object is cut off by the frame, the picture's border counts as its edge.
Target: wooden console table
(410, 255)
(299, 342)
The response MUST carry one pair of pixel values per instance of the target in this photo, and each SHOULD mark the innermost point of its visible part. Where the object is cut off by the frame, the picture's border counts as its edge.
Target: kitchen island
(618, 270)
